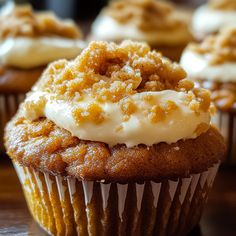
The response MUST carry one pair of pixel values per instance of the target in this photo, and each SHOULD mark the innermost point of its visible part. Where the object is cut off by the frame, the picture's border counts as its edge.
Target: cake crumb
(219, 48)
(23, 21)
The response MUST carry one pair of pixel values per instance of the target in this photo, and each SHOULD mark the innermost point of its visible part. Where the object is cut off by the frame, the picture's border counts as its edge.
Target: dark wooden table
(219, 218)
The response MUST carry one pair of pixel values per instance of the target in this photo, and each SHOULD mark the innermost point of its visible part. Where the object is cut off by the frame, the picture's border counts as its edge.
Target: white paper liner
(8, 106)
(182, 191)
(226, 123)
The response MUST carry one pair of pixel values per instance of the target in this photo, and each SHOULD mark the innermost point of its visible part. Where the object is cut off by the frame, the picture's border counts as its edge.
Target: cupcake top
(213, 57)
(115, 113)
(209, 18)
(120, 94)
(156, 22)
(29, 39)
(214, 60)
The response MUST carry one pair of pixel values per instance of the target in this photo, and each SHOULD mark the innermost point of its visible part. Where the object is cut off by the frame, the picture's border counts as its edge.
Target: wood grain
(219, 217)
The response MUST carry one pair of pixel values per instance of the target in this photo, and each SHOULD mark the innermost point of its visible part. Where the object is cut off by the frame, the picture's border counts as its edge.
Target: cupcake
(210, 17)
(212, 64)
(115, 142)
(158, 23)
(29, 41)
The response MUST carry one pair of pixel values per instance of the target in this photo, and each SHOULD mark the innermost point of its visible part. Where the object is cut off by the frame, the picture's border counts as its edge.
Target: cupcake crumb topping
(113, 73)
(223, 94)
(23, 21)
(223, 4)
(147, 15)
(120, 94)
(218, 48)
(109, 72)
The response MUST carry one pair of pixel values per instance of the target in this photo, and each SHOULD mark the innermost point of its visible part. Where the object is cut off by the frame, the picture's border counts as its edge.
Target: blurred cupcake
(29, 41)
(212, 64)
(115, 142)
(158, 23)
(209, 18)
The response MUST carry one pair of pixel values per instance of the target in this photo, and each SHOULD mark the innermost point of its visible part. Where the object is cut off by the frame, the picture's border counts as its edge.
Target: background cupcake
(212, 65)
(210, 17)
(130, 133)
(158, 23)
(29, 41)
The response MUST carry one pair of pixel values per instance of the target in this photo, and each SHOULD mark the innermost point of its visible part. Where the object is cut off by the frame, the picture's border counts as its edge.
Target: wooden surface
(219, 218)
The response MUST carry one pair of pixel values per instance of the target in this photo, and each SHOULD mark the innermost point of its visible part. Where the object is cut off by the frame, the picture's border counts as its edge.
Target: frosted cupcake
(158, 23)
(209, 18)
(213, 65)
(115, 142)
(28, 42)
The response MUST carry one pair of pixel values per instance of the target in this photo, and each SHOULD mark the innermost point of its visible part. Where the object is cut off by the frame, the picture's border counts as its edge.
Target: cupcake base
(226, 123)
(68, 206)
(8, 106)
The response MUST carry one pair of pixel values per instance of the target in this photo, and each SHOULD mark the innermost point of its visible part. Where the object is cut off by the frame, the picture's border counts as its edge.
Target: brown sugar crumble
(159, 112)
(93, 113)
(218, 48)
(223, 4)
(222, 93)
(147, 15)
(23, 21)
(128, 106)
(111, 73)
(201, 128)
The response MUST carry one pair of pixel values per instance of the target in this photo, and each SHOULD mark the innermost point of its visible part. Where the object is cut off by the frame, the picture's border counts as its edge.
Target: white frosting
(179, 124)
(24, 52)
(197, 66)
(106, 28)
(7, 8)
(206, 20)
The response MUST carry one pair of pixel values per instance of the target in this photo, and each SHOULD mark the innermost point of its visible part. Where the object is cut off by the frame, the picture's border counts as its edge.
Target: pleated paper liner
(8, 106)
(226, 123)
(73, 207)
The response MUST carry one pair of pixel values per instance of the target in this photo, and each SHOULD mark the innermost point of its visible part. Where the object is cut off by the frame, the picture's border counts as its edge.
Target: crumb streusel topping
(147, 15)
(158, 23)
(213, 64)
(223, 94)
(223, 4)
(30, 39)
(214, 59)
(121, 90)
(218, 48)
(23, 21)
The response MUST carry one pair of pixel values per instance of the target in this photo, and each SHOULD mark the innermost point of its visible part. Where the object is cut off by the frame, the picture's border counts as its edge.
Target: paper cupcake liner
(72, 207)
(226, 123)
(8, 106)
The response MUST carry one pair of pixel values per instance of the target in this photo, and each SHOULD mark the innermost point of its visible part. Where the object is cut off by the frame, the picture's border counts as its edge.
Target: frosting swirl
(120, 94)
(26, 52)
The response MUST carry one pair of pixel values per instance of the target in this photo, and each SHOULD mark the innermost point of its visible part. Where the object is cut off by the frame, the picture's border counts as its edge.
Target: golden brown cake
(209, 18)
(117, 141)
(29, 41)
(212, 64)
(158, 23)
